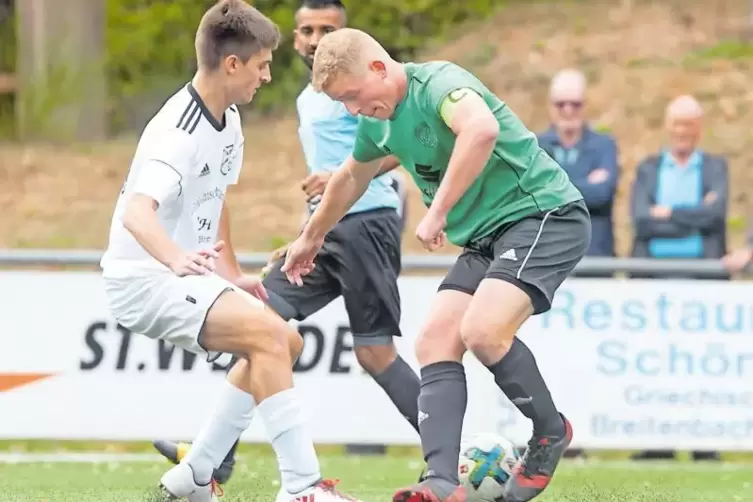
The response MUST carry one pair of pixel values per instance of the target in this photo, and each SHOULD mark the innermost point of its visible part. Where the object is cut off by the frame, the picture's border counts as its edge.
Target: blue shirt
(327, 133)
(594, 151)
(679, 186)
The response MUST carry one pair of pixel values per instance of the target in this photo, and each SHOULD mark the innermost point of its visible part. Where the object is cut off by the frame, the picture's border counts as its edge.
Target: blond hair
(345, 51)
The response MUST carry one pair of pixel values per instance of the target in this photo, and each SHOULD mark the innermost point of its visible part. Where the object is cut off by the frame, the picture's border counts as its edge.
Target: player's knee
(268, 335)
(475, 336)
(438, 341)
(375, 359)
(485, 340)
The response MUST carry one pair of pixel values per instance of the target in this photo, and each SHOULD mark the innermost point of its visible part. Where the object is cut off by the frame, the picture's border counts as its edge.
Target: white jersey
(185, 161)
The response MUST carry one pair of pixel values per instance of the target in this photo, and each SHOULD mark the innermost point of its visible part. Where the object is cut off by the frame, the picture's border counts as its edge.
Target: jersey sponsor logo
(430, 176)
(216, 194)
(204, 224)
(204, 171)
(425, 135)
(227, 159)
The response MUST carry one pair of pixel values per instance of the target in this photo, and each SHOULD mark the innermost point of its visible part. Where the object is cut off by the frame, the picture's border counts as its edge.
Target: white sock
(291, 439)
(232, 416)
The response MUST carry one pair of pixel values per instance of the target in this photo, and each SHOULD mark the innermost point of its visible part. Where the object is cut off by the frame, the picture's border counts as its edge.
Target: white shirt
(185, 161)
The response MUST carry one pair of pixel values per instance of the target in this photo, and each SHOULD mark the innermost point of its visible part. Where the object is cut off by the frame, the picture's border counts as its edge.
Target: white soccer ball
(486, 463)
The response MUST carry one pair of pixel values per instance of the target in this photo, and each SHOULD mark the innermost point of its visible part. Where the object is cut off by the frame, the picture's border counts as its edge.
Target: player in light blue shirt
(360, 259)
(327, 133)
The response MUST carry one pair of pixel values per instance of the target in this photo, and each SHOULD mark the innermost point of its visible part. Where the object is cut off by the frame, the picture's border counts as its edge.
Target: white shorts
(163, 306)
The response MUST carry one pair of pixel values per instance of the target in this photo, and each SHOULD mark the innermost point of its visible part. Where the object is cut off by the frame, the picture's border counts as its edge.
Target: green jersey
(519, 179)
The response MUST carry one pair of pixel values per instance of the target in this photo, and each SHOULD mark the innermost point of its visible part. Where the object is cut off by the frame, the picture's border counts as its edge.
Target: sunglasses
(576, 105)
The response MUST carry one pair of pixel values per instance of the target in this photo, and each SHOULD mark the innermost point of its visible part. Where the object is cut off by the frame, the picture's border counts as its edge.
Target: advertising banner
(633, 364)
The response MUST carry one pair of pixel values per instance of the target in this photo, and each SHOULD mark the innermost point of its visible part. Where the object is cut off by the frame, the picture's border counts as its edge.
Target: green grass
(374, 479)
(727, 49)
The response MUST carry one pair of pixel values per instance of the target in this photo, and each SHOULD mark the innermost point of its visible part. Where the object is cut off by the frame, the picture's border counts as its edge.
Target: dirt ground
(638, 56)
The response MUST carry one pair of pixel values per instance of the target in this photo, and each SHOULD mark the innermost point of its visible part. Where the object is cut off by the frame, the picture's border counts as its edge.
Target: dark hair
(233, 27)
(322, 4)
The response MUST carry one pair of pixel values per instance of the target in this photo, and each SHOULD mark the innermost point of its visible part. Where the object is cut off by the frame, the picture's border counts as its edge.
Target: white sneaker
(179, 482)
(324, 491)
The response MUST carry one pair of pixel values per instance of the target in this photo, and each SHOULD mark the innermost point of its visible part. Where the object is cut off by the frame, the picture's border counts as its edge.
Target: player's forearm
(140, 219)
(343, 190)
(227, 264)
(388, 164)
(469, 157)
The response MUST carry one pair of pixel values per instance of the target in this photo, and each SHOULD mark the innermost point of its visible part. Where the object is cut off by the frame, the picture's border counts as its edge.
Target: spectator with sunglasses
(588, 157)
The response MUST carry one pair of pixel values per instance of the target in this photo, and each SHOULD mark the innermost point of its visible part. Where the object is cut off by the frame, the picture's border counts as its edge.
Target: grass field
(373, 479)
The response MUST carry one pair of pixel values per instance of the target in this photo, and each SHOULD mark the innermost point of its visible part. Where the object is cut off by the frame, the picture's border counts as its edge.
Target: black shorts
(536, 254)
(360, 260)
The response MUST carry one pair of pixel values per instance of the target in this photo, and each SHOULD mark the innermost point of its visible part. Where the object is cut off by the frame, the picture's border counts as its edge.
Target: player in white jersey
(170, 272)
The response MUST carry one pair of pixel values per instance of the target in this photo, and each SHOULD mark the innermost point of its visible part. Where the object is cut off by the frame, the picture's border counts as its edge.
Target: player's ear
(379, 68)
(231, 63)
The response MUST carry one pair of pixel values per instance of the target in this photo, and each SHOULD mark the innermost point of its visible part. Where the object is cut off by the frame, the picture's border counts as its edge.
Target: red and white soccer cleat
(324, 491)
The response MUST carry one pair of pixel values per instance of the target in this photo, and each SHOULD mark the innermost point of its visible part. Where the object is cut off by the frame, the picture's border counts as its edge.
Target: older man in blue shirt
(679, 199)
(679, 207)
(588, 157)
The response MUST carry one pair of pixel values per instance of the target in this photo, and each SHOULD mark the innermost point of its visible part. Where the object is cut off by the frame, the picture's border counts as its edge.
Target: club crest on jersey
(227, 159)
(425, 135)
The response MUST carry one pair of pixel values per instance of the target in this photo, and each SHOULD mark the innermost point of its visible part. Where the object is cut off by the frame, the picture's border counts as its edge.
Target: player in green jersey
(489, 188)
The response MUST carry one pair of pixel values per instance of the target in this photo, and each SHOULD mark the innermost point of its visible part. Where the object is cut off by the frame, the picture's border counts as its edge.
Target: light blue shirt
(679, 186)
(327, 133)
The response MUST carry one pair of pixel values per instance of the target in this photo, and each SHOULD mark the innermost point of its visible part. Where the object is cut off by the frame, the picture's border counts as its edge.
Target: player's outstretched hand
(253, 285)
(430, 231)
(273, 258)
(299, 260)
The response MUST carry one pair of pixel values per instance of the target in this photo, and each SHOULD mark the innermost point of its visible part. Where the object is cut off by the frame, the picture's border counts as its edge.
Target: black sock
(402, 385)
(441, 406)
(230, 457)
(518, 376)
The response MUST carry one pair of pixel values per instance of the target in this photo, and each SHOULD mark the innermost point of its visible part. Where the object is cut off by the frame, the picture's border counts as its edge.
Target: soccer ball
(486, 463)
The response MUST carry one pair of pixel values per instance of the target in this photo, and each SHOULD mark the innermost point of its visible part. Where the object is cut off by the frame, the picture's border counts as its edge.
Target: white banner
(633, 364)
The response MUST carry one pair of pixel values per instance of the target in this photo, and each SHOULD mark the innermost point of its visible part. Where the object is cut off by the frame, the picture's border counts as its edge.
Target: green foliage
(150, 50)
(151, 53)
(739, 51)
(736, 224)
(7, 40)
(7, 65)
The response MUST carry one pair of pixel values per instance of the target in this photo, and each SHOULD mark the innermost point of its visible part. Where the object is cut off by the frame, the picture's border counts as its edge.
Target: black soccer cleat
(175, 452)
(536, 468)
